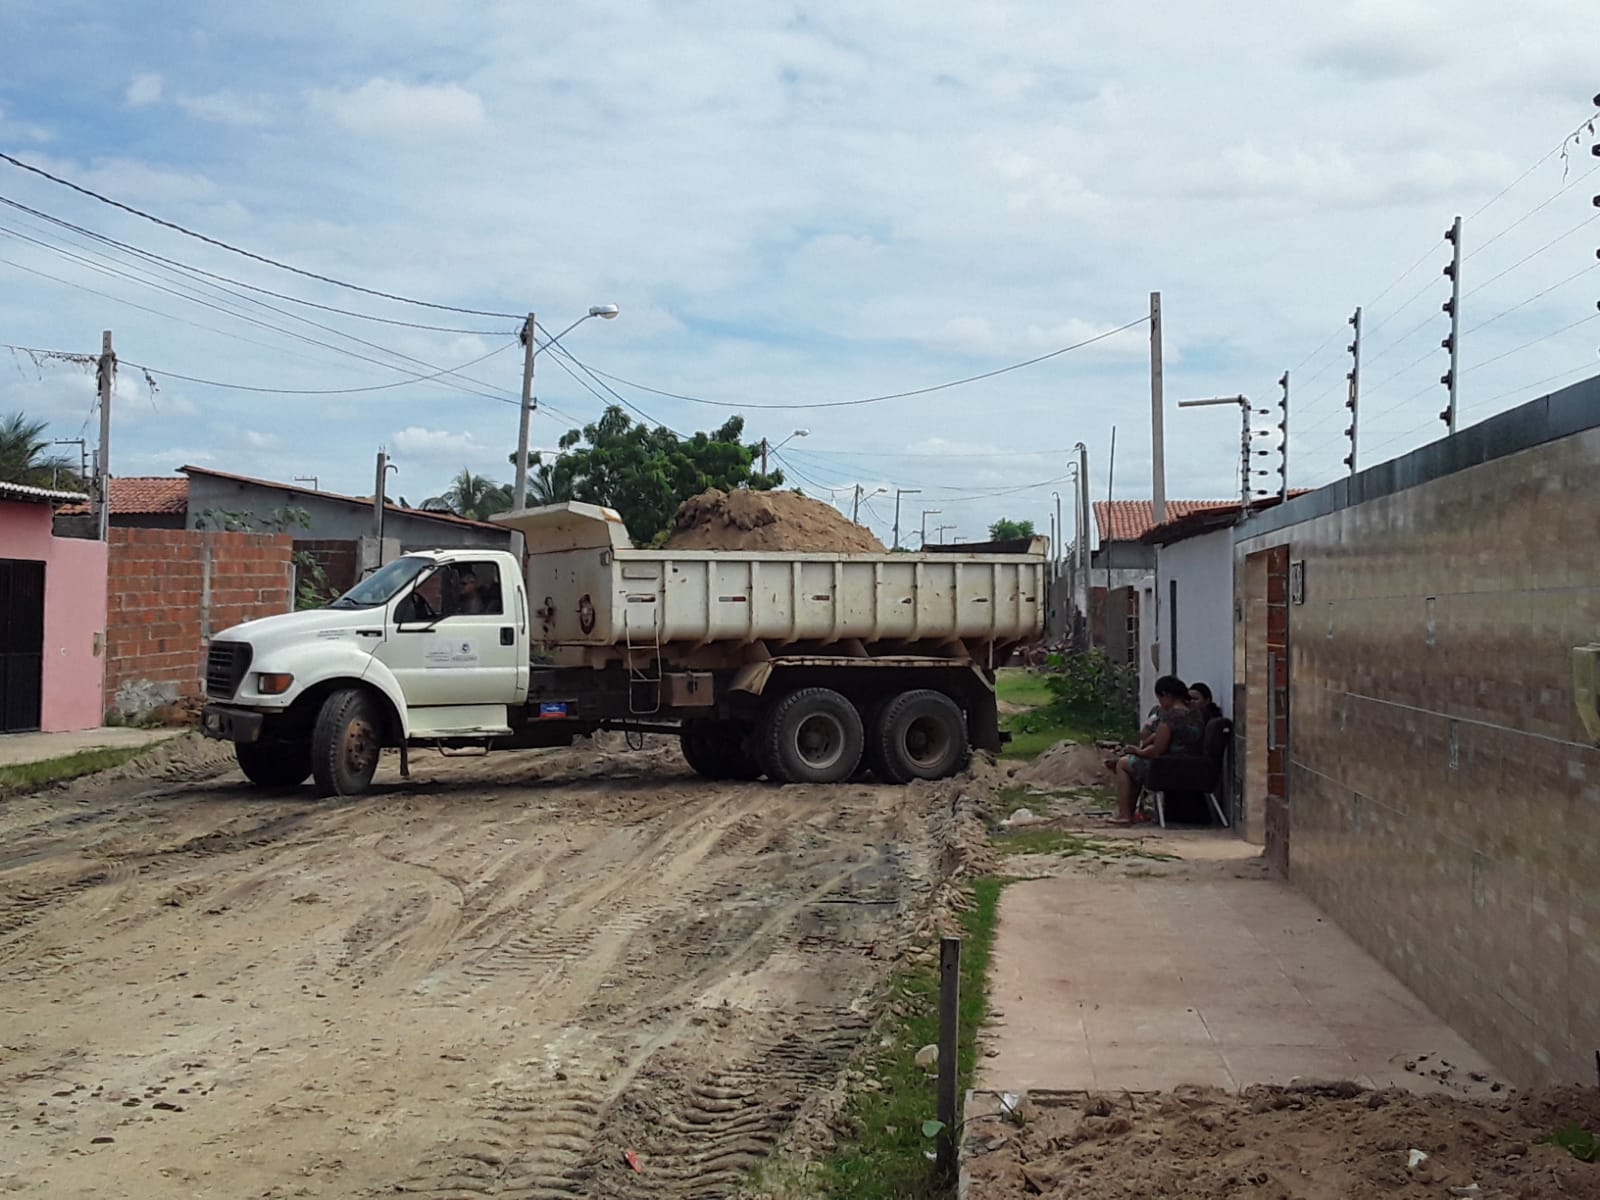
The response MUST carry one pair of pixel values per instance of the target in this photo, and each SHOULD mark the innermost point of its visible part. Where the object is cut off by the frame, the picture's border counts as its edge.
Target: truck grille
(225, 668)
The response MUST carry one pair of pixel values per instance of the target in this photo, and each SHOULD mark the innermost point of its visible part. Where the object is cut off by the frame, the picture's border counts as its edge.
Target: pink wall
(74, 614)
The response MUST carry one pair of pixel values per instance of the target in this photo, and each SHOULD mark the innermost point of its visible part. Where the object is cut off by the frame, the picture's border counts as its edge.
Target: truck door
(454, 638)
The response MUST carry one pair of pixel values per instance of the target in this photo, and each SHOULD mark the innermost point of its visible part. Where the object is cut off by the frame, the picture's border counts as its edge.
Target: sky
(793, 205)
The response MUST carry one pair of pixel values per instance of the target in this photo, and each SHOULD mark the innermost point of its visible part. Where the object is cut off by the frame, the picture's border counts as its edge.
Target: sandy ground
(495, 979)
(1281, 1144)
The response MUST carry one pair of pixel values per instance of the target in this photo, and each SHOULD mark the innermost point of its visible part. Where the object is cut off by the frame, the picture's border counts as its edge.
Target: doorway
(21, 644)
(1266, 808)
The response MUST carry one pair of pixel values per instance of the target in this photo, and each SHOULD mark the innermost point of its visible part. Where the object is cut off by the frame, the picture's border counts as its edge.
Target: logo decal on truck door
(448, 652)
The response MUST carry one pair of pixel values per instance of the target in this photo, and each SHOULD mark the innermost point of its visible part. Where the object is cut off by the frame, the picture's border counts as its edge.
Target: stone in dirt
(746, 520)
(1067, 764)
(928, 1057)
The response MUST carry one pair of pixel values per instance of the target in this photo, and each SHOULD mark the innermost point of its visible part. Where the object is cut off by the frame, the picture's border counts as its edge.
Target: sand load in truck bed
(746, 520)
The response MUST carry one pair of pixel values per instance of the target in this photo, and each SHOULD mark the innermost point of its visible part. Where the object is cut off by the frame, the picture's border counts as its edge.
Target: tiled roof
(444, 518)
(143, 495)
(32, 495)
(1130, 520)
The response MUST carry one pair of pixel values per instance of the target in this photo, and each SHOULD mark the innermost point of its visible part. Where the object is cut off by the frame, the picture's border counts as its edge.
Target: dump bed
(588, 586)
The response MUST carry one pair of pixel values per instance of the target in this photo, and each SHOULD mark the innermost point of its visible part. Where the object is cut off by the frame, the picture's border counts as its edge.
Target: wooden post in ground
(949, 1054)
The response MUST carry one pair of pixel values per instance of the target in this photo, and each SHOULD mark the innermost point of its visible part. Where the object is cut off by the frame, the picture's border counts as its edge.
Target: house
(1121, 574)
(137, 502)
(52, 618)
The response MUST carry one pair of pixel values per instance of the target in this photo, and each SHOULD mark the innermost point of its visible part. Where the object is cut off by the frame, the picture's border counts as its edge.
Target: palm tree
(469, 495)
(545, 486)
(25, 456)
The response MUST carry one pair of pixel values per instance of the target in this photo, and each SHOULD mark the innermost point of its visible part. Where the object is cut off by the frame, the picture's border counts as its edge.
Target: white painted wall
(1203, 569)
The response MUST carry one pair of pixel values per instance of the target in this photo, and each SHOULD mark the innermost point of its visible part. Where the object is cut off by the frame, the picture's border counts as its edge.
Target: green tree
(469, 495)
(25, 456)
(644, 473)
(1006, 530)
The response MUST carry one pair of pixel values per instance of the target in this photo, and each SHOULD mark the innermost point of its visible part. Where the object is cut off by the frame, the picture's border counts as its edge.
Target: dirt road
(492, 980)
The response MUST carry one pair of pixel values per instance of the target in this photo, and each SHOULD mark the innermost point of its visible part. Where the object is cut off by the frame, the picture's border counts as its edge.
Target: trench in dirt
(479, 982)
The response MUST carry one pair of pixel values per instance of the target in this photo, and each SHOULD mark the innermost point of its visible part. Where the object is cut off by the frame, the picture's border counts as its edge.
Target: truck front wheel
(274, 764)
(715, 749)
(919, 735)
(813, 735)
(345, 743)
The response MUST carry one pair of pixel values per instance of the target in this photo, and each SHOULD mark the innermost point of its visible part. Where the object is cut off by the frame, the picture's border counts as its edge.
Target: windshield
(384, 584)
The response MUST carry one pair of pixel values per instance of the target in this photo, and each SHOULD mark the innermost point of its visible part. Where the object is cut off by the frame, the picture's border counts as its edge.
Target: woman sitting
(1200, 700)
(1179, 730)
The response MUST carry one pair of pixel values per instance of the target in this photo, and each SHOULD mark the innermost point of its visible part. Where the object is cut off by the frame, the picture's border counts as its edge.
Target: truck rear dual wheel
(917, 735)
(345, 743)
(715, 749)
(813, 735)
(274, 764)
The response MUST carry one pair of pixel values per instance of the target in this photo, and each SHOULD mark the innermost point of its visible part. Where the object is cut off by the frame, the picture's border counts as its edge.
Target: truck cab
(433, 645)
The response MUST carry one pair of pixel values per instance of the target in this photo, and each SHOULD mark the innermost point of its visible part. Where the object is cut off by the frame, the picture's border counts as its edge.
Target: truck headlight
(273, 685)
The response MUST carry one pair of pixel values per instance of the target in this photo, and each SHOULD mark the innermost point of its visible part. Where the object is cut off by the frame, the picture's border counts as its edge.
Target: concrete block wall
(169, 592)
(1441, 789)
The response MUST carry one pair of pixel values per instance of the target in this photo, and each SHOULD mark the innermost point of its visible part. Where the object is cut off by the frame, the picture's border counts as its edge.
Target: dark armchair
(1201, 772)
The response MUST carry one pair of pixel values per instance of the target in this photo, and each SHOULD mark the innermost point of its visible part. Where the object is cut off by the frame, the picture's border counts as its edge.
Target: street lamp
(855, 510)
(898, 492)
(530, 348)
(926, 513)
(765, 451)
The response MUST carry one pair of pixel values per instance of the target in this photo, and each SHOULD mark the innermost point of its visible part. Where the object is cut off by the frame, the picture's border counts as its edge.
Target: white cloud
(226, 108)
(261, 441)
(387, 108)
(143, 90)
(437, 445)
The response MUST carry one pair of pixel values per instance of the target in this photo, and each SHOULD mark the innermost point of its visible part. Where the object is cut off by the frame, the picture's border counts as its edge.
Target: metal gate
(21, 644)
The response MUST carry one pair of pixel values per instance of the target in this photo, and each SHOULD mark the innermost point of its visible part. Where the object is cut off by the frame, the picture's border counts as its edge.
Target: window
(457, 589)
(1172, 618)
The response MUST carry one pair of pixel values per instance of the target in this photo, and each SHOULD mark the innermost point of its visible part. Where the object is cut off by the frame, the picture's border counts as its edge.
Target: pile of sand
(1068, 764)
(745, 520)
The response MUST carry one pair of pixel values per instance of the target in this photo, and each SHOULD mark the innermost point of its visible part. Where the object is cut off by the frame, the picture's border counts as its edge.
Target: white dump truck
(797, 667)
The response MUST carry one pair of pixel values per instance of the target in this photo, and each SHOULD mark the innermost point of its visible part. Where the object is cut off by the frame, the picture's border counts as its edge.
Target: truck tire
(715, 749)
(919, 735)
(345, 743)
(274, 764)
(813, 735)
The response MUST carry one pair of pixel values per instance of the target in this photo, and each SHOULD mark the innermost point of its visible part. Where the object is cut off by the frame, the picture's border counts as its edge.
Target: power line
(189, 267)
(1532, 212)
(228, 310)
(923, 391)
(1532, 255)
(221, 245)
(241, 387)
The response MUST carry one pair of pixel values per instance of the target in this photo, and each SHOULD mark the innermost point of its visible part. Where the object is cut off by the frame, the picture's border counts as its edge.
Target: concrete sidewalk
(1111, 983)
(19, 748)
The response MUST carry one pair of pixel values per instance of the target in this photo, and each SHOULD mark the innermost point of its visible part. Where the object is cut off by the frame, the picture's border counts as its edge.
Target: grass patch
(884, 1156)
(1014, 685)
(27, 777)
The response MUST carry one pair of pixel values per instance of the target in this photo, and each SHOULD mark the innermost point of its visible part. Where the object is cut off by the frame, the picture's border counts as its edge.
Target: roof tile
(143, 495)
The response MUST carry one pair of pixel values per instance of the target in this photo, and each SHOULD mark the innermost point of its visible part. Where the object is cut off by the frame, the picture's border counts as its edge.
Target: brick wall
(340, 561)
(169, 591)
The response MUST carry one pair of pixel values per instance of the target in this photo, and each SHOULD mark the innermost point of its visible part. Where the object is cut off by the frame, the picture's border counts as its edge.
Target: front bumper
(227, 724)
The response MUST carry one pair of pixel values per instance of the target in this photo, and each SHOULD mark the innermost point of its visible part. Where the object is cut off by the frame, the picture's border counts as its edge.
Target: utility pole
(1111, 477)
(926, 513)
(105, 376)
(938, 532)
(1084, 516)
(763, 456)
(311, 479)
(379, 486)
(898, 492)
(519, 497)
(1061, 532)
(83, 458)
(1452, 306)
(1158, 457)
(855, 507)
(1353, 402)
